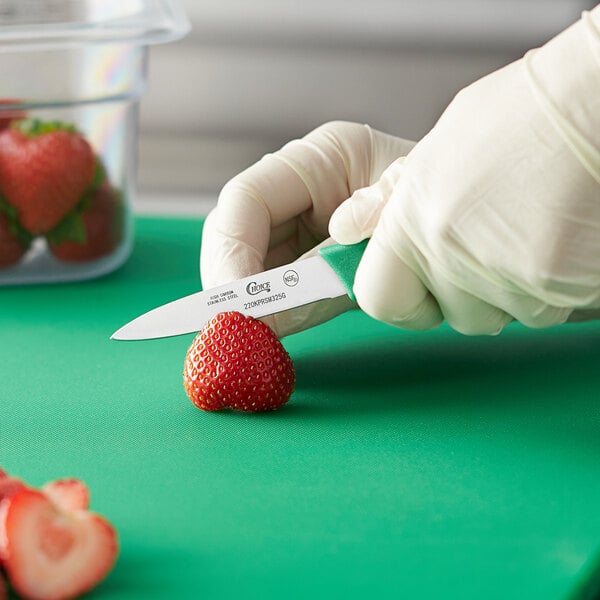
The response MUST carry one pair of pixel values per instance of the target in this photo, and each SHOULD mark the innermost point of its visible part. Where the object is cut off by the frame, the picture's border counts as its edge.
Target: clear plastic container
(78, 67)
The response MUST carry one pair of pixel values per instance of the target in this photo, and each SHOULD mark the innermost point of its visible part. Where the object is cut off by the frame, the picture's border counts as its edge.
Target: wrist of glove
(278, 210)
(495, 214)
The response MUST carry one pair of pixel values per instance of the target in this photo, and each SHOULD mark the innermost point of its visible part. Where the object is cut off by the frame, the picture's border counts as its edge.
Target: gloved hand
(495, 214)
(278, 209)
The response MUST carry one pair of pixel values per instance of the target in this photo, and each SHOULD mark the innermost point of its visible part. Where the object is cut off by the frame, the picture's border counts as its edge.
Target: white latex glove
(279, 209)
(495, 214)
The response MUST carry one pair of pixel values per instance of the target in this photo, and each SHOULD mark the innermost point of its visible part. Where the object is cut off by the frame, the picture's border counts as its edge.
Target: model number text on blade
(267, 300)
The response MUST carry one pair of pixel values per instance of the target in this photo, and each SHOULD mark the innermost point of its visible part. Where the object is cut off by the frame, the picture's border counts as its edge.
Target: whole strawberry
(238, 362)
(99, 226)
(45, 168)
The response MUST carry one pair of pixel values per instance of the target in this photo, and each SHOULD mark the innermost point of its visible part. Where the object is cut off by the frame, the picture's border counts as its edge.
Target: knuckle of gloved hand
(545, 316)
(340, 135)
(336, 126)
(492, 325)
(539, 277)
(438, 227)
(390, 310)
(376, 306)
(549, 266)
(232, 188)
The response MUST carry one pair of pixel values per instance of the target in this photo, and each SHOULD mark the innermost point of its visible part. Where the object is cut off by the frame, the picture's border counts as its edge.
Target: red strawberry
(45, 168)
(8, 115)
(51, 554)
(13, 245)
(238, 362)
(70, 494)
(99, 229)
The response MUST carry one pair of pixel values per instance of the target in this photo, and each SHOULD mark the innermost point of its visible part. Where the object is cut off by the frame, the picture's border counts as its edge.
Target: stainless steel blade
(266, 293)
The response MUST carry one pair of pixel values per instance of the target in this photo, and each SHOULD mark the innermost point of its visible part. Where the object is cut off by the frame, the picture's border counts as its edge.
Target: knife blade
(328, 274)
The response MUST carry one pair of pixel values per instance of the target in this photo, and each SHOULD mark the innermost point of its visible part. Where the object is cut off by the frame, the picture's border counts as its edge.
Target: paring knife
(327, 275)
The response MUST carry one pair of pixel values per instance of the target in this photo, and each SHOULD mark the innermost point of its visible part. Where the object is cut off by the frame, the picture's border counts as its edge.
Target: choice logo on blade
(254, 288)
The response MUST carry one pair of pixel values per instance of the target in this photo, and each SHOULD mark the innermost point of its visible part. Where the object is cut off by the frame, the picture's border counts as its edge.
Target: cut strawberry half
(9, 486)
(70, 494)
(51, 554)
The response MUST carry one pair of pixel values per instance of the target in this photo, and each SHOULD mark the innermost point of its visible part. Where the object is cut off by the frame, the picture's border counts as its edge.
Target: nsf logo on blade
(254, 288)
(291, 278)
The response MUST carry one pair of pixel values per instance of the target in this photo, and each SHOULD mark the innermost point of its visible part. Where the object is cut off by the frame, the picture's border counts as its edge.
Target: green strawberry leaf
(71, 228)
(99, 177)
(33, 127)
(13, 221)
(8, 209)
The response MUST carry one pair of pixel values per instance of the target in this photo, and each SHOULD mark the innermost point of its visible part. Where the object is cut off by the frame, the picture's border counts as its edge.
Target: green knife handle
(344, 259)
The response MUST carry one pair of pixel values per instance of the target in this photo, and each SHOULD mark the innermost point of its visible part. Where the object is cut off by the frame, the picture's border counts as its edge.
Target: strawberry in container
(53, 186)
(72, 84)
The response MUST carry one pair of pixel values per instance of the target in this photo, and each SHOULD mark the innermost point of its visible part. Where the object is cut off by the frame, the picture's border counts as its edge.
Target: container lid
(45, 24)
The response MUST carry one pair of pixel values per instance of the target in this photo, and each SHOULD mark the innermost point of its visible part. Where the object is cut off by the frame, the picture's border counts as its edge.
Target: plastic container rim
(166, 25)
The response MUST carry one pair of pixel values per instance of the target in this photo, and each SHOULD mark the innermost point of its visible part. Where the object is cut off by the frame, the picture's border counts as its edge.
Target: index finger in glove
(280, 207)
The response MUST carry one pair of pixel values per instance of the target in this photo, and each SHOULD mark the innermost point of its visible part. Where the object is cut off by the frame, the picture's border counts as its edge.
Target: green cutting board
(406, 465)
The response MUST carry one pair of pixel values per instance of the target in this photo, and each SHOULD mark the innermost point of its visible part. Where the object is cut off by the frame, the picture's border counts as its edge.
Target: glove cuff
(564, 76)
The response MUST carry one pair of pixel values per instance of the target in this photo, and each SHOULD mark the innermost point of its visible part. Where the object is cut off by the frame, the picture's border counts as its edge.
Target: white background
(253, 74)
